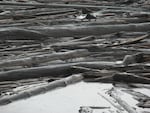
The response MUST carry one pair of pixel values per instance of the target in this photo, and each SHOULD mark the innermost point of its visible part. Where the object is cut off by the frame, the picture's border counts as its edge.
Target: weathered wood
(76, 6)
(20, 33)
(130, 78)
(64, 31)
(125, 105)
(131, 41)
(22, 48)
(41, 33)
(36, 60)
(42, 89)
(58, 70)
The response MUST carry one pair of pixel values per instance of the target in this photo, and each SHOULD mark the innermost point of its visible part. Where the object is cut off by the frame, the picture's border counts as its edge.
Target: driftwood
(36, 60)
(130, 78)
(36, 72)
(19, 33)
(125, 105)
(59, 70)
(42, 89)
(62, 31)
(136, 58)
(111, 102)
(76, 6)
(131, 41)
(27, 15)
(22, 48)
(65, 69)
(41, 33)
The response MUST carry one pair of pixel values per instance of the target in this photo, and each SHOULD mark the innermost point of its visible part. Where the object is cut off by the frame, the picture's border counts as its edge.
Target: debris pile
(46, 43)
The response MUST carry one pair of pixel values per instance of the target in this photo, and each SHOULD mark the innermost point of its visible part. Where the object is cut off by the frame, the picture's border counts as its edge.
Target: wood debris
(49, 42)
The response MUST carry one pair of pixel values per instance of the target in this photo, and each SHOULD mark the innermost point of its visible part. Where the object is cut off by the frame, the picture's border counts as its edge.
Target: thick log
(41, 33)
(42, 89)
(35, 60)
(76, 6)
(19, 33)
(59, 70)
(64, 31)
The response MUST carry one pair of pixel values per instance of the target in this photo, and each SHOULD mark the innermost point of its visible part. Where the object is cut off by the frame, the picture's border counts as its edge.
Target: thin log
(22, 48)
(111, 102)
(131, 41)
(42, 89)
(130, 78)
(125, 105)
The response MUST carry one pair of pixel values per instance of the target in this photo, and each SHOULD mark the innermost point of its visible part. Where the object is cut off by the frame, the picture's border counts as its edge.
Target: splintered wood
(54, 43)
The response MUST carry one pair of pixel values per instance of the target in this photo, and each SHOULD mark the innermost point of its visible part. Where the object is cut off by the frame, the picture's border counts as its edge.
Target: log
(42, 33)
(24, 15)
(131, 41)
(75, 6)
(66, 31)
(130, 78)
(36, 72)
(36, 60)
(22, 48)
(111, 102)
(59, 70)
(125, 105)
(21, 34)
(42, 89)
